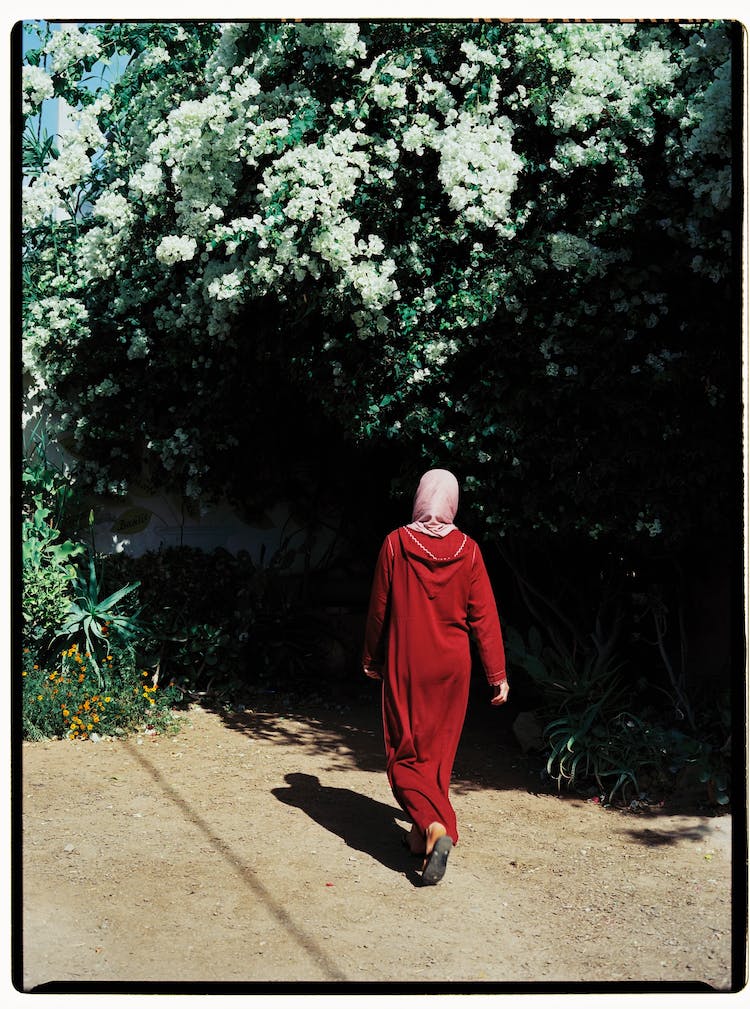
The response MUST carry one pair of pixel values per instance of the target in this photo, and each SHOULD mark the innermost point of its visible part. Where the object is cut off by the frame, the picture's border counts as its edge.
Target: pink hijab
(435, 503)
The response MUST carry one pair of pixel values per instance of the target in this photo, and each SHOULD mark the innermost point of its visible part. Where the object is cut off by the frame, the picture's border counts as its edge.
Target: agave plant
(614, 752)
(97, 619)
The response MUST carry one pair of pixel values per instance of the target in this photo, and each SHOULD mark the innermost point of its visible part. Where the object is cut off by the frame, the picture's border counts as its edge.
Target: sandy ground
(265, 847)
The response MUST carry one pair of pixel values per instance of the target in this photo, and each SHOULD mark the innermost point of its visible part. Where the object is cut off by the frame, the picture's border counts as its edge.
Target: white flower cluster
(139, 346)
(318, 182)
(114, 209)
(485, 56)
(706, 121)
(107, 387)
(151, 58)
(52, 321)
(98, 249)
(147, 180)
(69, 45)
(48, 196)
(35, 87)
(334, 43)
(700, 150)
(176, 248)
(479, 169)
(608, 81)
(437, 352)
(418, 376)
(571, 252)
(478, 58)
(228, 286)
(96, 253)
(435, 93)
(391, 94)
(171, 448)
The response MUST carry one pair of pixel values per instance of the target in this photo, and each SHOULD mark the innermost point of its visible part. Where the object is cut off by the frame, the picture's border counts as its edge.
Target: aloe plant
(614, 752)
(95, 619)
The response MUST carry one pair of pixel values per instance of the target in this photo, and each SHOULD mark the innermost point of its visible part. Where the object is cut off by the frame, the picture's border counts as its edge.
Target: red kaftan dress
(428, 595)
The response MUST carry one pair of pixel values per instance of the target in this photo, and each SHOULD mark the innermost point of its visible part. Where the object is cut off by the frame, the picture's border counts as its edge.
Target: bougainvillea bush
(508, 246)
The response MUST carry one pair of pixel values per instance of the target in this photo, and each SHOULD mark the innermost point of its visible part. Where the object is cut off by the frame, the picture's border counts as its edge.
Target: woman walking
(430, 592)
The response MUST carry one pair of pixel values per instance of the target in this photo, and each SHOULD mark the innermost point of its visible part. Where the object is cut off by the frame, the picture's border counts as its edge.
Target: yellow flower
(66, 713)
(24, 673)
(81, 677)
(107, 700)
(39, 697)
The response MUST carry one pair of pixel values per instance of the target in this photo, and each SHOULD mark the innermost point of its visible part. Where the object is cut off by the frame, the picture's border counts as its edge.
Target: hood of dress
(433, 570)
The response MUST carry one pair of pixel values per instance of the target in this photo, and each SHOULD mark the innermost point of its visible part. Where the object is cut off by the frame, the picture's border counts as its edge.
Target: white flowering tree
(505, 247)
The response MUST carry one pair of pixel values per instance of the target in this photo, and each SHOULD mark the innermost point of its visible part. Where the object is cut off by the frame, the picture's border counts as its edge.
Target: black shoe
(438, 861)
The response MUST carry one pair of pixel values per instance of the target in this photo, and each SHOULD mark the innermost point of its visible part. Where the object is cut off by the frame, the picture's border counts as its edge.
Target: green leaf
(115, 597)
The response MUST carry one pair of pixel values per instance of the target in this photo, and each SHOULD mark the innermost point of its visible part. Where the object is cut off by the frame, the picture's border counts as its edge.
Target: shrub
(47, 557)
(595, 742)
(68, 700)
(48, 573)
(95, 621)
(223, 624)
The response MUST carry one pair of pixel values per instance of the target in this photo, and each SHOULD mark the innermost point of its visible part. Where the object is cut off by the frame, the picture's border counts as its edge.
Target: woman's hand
(499, 693)
(373, 673)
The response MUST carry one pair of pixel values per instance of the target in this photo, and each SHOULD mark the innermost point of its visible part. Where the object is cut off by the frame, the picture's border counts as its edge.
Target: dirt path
(260, 847)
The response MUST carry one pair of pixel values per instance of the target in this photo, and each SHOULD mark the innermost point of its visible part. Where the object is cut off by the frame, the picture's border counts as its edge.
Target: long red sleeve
(376, 629)
(485, 623)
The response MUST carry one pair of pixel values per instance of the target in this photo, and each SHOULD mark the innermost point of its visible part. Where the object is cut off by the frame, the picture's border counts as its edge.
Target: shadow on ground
(350, 735)
(365, 824)
(346, 736)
